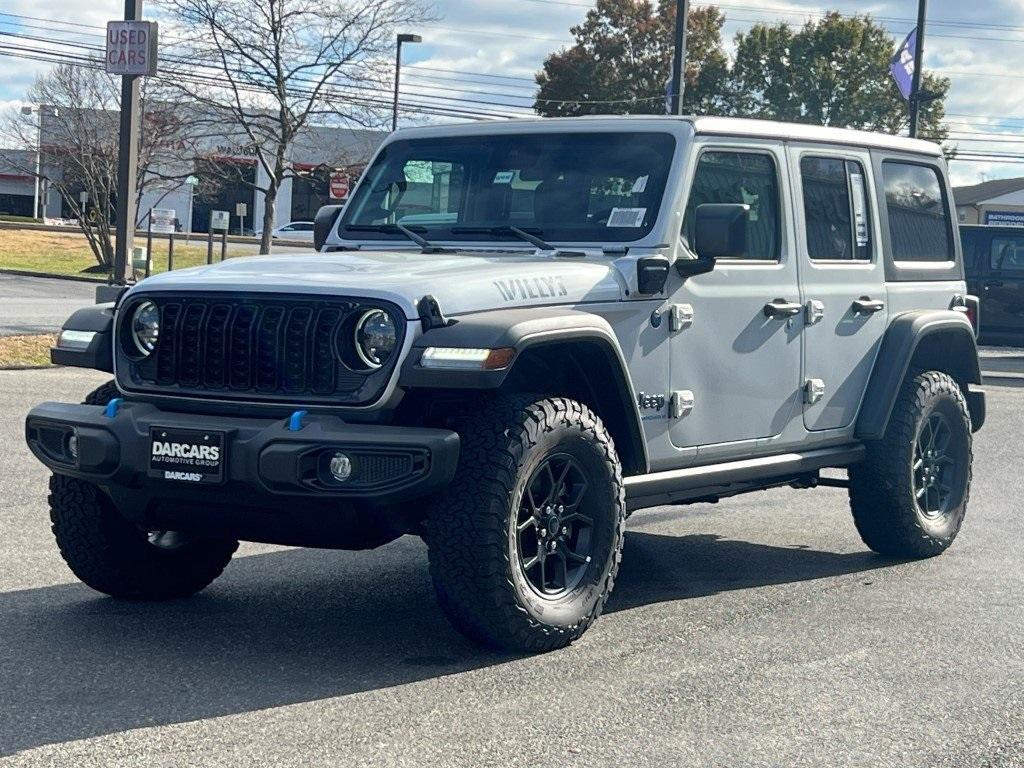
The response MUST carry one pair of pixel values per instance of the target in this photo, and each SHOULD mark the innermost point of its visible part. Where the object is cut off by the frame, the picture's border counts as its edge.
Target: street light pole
(402, 38)
(39, 156)
(915, 88)
(679, 56)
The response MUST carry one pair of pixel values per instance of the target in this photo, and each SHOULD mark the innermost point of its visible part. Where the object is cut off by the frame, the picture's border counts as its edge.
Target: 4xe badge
(650, 402)
(187, 456)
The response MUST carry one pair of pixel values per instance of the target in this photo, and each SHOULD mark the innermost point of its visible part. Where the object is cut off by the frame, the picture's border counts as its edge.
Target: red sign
(339, 186)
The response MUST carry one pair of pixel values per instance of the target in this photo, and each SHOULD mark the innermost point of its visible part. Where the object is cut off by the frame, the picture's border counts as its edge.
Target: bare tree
(278, 64)
(75, 129)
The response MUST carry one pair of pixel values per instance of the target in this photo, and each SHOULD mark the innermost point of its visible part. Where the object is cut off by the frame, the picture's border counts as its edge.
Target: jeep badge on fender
(476, 355)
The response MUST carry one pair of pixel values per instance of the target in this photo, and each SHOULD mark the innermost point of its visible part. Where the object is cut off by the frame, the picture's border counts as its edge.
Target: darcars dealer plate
(188, 456)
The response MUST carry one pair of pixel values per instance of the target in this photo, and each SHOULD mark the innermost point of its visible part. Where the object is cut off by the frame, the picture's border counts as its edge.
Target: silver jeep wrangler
(514, 335)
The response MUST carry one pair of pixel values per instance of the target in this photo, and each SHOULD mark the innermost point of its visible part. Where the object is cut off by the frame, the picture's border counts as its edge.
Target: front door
(843, 280)
(737, 362)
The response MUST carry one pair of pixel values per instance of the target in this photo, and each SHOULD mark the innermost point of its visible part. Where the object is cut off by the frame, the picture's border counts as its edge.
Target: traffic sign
(220, 219)
(131, 47)
(339, 186)
(163, 220)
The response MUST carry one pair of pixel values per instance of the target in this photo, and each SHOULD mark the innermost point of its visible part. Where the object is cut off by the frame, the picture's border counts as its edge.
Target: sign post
(240, 210)
(131, 53)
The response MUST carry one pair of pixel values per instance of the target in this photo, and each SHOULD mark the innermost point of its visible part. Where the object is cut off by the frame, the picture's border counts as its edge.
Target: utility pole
(679, 57)
(402, 38)
(915, 88)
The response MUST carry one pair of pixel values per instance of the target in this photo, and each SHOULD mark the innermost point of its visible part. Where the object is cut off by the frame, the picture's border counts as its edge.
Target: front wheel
(526, 542)
(909, 496)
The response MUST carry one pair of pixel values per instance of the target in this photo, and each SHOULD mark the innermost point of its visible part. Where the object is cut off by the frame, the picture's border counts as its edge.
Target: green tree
(834, 71)
(622, 60)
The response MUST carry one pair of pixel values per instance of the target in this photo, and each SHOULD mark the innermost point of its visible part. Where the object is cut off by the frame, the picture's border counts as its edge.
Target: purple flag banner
(902, 65)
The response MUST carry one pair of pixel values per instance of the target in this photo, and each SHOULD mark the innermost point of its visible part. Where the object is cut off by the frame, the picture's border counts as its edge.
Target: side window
(1008, 254)
(835, 209)
(972, 243)
(740, 177)
(919, 222)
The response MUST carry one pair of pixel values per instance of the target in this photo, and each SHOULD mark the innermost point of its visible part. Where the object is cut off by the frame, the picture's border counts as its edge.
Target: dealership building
(224, 174)
(997, 202)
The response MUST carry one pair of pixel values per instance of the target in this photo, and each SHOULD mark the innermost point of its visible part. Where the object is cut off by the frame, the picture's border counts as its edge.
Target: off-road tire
(103, 394)
(883, 497)
(114, 556)
(475, 561)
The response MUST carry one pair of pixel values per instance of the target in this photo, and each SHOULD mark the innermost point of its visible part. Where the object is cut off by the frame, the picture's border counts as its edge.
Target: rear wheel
(909, 496)
(526, 542)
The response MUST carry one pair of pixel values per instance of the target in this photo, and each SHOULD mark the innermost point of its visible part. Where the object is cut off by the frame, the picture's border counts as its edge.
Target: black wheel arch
(939, 340)
(556, 354)
(99, 355)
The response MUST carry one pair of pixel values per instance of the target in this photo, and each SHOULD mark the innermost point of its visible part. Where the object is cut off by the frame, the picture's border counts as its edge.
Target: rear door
(1002, 287)
(842, 280)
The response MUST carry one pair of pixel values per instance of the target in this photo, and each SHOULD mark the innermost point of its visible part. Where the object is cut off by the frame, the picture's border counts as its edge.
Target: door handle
(993, 284)
(780, 308)
(866, 305)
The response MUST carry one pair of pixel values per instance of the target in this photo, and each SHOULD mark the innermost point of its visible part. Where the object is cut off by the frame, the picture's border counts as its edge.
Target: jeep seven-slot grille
(271, 348)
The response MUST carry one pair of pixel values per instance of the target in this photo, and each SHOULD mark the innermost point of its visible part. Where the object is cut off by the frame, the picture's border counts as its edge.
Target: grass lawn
(68, 253)
(25, 351)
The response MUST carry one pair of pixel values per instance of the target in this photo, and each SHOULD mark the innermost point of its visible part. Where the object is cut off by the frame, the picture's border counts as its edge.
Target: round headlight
(376, 337)
(146, 327)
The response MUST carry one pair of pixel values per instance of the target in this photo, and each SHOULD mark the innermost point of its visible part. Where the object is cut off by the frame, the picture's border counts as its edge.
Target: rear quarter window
(920, 225)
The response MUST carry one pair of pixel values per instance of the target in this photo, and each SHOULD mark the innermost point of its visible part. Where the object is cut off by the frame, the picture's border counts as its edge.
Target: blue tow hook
(295, 422)
(112, 407)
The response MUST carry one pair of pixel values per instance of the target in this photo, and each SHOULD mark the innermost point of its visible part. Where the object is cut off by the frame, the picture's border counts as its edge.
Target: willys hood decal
(461, 282)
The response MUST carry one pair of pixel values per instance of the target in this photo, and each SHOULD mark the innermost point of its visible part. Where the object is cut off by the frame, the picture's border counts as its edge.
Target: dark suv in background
(994, 263)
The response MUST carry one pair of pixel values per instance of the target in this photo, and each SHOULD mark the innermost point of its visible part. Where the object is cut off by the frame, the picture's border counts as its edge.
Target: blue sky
(489, 42)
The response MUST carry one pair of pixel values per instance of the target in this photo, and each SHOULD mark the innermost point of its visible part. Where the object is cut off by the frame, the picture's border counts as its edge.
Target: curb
(51, 276)
(1002, 379)
(28, 367)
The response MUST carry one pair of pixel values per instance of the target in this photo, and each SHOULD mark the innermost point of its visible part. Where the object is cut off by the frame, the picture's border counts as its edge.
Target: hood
(461, 282)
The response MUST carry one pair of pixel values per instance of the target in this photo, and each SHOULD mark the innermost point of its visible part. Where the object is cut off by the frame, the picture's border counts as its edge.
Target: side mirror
(324, 222)
(721, 231)
(651, 274)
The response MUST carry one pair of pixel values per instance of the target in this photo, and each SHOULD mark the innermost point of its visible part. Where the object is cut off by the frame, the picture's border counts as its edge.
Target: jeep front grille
(273, 348)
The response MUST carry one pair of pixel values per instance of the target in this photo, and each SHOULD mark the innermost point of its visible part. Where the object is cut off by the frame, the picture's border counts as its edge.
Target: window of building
(835, 209)
(920, 225)
(749, 178)
(1008, 254)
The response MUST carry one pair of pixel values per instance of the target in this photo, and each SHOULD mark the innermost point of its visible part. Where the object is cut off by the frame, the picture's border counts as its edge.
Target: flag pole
(915, 89)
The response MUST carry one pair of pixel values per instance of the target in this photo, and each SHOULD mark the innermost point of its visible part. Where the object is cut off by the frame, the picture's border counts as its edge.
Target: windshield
(575, 187)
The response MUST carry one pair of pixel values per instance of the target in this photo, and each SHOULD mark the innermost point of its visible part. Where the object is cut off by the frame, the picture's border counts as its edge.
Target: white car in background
(296, 230)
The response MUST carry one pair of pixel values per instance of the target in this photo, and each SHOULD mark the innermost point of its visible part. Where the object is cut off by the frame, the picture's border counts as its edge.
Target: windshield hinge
(431, 315)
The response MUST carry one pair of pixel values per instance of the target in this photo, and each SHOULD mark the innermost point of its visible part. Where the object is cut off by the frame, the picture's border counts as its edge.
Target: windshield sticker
(504, 177)
(860, 218)
(522, 289)
(627, 217)
(640, 186)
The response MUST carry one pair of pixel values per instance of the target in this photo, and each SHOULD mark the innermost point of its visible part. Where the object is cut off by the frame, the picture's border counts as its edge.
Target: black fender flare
(524, 329)
(99, 355)
(902, 340)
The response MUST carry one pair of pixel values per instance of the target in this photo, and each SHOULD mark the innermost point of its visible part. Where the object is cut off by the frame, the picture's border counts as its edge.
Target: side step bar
(714, 481)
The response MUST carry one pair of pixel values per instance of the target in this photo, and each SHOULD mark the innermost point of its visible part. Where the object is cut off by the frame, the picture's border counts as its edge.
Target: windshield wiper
(522, 234)
(425, 245)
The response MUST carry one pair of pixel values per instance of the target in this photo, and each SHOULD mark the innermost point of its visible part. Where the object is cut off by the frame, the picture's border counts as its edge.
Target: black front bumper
(270, 466)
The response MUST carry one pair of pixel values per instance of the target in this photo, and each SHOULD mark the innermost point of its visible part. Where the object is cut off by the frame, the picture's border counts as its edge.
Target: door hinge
(680, 316)
(814, 310)
(814, 390)
(682, 403)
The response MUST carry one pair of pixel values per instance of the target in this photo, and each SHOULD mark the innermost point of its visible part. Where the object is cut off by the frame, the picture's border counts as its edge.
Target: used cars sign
(131, 47)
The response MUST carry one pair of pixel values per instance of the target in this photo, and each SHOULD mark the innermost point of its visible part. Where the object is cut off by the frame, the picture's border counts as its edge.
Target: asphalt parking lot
(756, 632)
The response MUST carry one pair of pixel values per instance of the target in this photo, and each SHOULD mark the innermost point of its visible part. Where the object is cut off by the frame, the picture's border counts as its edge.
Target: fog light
(73, 446)
(341, 467)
